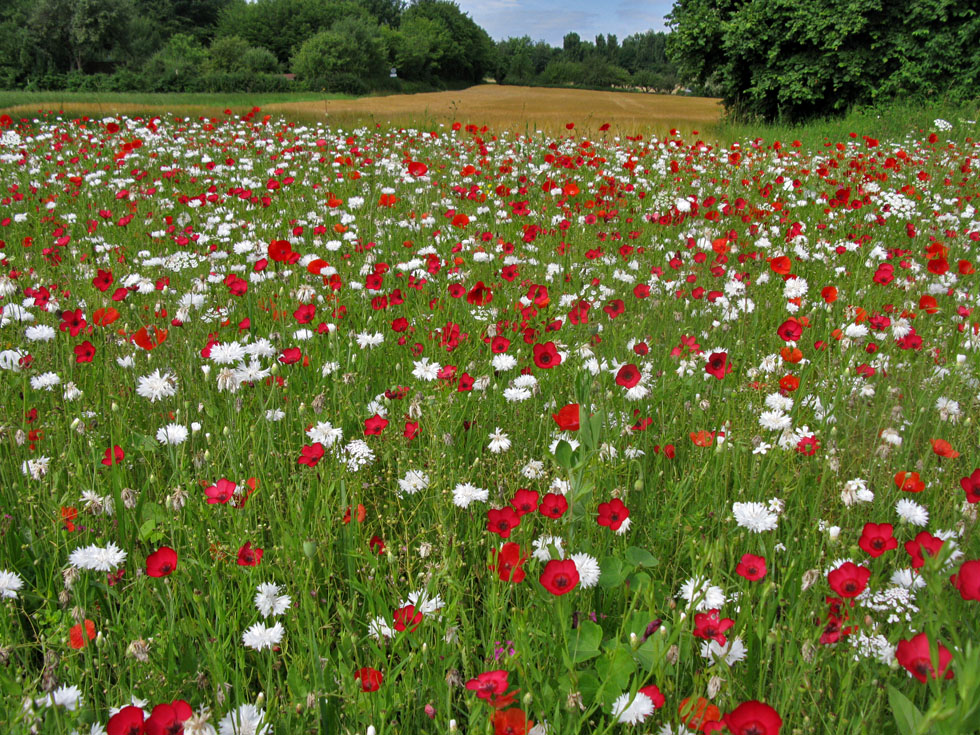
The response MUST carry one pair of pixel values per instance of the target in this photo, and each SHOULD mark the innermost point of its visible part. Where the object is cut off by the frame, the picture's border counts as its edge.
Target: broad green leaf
(585, 641)
(563, 454)
(640, 557)
(611, 572)
(907, 716)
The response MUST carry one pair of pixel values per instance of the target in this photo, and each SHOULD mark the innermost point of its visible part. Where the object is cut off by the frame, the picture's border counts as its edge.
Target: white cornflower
(64, 696)
(949, 410)
(632, 710)
(907, 578)
(378, 628)
(10, 582)
(125, 361)
(268, 601)
(227, 353)
(732, 652)
(499, 441)
(423, 603)
(40, 333)
(774, 420)
(588, 569)
(156, 387)
(856, 491)
(516, 395)
(172, 434)
(326, 434)
(97, 559)
(45, 381)
(702, 593)
(259, 636)
(754, 516)
(464, 493)
(541, 551)
(72, 392)
(533, 470)
(246, 720)
(329, 368)
(911, 512)
(425, 370)
(502, 362)
(367, 341)
(275, 414)
(413, 482)
(779, 402)
(36, 468)
(198, 723)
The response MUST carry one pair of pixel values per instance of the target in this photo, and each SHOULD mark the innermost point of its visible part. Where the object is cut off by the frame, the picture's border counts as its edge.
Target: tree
(466, 52)
(344, 58)
(797, 59)
(177, 66)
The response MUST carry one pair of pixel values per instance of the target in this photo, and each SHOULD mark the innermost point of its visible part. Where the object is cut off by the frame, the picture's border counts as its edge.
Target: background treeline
(330, 45)
(640, 61)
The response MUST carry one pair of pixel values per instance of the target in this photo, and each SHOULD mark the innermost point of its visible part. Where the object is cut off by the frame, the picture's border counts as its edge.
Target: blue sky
(550, 20)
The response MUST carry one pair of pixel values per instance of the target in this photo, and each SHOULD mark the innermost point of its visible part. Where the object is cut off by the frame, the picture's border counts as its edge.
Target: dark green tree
(345, 58)
(797, 59)
(467, 53)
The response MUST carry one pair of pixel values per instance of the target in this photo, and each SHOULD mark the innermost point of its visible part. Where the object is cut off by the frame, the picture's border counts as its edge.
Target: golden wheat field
(520, 109)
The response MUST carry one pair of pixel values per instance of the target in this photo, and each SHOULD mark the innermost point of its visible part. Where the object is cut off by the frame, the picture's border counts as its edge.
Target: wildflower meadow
(401, 430)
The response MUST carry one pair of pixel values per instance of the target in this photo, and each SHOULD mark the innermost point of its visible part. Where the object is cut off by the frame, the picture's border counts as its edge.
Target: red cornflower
(718, 365)
(489, 684)
(375, 425)
(877, 538)
(553, 505)
(509, 562)
(924, 541)
(524, 501)
(849, 579)
(915, 655)
(84, 352)
(753, 718)
(113, 455)
(249, 557)
(161, 563)
(971, 486)
(311, 454)
(546, 355)
(613, 514)
(502, 521)
(967, 580)
(560, 576)
(370, 679)
(710, 627)
(221, 492)
(751, 567)
(72, 322)
(407, 618)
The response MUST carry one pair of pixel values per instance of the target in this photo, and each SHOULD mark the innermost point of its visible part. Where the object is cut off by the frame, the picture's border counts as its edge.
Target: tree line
(280, 45)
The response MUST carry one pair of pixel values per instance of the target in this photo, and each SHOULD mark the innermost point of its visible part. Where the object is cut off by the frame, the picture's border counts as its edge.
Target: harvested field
(513, 108)
(517, 108)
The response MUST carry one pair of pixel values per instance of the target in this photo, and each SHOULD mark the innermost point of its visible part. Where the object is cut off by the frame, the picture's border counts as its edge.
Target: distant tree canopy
(640, 61)
(796, 59)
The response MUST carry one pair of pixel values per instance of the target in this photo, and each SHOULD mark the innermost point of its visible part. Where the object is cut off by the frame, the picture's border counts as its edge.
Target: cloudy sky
(550, 20)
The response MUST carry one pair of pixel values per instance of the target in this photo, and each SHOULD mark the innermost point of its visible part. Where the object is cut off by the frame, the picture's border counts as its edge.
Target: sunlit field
(445, 430)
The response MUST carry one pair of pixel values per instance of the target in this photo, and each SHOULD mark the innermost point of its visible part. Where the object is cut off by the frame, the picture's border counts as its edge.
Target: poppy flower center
(877, 543)
(561, 582)
(754, 728)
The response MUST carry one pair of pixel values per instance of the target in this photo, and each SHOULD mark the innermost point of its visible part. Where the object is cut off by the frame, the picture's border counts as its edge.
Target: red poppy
(105, 317)
(249, 557)
(653, 692)
(168, 719)
(502, 521)
(411, 430)
(613, 514)
(943, 448)
(967, 580)
(915, 655)
(290, 356)
(479, 295)
(127, 721)
(849, 579)
(703, 438)
(614, 308)
(417, 168)
(142, 337)
(72, 321)
(377, 545)
(789, 383)
(560, 576)
(699, 715)
(877, 538)
(923, 542)
(161, 563)
(311, 454)
(221, 492)
(568, 418)
(829, 294)
(790, 331)
(753, 718)
(407, 618)
(370, 679)
(511, 722)
(79, 636)
(280, 250)
(113, 455)
(909, 482)
(712, 627)
(361, 514)
(717, 365)
(751, 567)
(524, 501)
(628, 376)
(546, 355)
(553, 505)
(971, 486)
(509, 561)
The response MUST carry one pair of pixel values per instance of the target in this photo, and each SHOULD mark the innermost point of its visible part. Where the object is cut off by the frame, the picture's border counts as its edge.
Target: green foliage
(789, 60)
(231, 54)
(465, 51)
(344, 58)
(178, 66)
